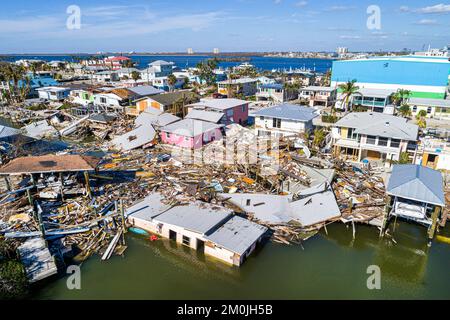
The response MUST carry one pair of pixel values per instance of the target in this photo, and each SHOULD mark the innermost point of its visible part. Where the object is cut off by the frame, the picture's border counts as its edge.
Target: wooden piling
(432, 229)
(88, 184)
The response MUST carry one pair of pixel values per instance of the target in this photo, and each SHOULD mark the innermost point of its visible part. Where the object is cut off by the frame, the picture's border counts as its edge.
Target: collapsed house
(200, 226)
(278, 209)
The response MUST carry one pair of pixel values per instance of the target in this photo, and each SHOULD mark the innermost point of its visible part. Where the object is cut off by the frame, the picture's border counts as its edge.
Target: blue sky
(28, 26)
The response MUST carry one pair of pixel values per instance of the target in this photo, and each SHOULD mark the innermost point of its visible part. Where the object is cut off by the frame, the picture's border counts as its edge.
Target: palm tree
(171, 81)
(348, 89)
(421, 114)
(404, 111)
(319, 137)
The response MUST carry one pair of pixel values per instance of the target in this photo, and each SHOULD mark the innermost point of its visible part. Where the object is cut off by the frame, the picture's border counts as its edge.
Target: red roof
(119, 58)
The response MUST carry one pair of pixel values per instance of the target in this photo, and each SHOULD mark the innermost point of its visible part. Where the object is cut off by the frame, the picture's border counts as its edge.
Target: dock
(37, 259)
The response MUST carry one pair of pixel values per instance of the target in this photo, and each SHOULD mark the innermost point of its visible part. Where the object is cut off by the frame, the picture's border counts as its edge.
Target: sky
(54, 26)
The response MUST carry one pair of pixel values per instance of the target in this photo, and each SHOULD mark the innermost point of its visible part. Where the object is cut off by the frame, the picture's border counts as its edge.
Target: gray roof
(279, 209)
(318, 88)
(374, 93)
(237, 234)
(147, 208)
(145, 90)
(197, 217)
(136, 138)
(219, 104)
(289, 112)
(209, 116)
(380, 124)
(190, 127)
(160, 63)
(429, 102)
(102, 117)
(418, 183)
(6, 132)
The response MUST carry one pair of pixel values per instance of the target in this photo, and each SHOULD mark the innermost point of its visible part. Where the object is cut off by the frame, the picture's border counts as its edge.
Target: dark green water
(330, 267)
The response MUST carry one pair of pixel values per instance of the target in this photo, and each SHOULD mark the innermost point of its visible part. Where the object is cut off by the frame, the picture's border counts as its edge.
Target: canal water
(329, 266)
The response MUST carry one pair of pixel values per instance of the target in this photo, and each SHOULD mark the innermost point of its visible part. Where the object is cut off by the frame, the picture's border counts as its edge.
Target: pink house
(190, 133)
(234, 110)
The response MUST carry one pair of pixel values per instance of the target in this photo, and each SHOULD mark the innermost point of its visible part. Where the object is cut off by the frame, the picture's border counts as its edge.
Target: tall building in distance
(342, 50)
(190, 51)
(216, 51)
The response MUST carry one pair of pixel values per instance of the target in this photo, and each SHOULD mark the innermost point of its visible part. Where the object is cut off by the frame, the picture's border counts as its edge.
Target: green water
(329, 267)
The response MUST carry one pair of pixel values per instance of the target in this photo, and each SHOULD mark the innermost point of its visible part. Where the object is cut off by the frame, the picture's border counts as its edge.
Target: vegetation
(348, 89)
(319, 137)
(171, 81)
(404, 110)
(205, 70)
(17, 81)
(329, 118)
(13, 282)
(400, 97)
(135, 76)
(403, 158)
(421, 116)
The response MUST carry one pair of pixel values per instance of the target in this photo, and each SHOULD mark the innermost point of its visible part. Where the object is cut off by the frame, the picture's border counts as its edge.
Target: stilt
(354, 231)
(88, 184)
(432, 229)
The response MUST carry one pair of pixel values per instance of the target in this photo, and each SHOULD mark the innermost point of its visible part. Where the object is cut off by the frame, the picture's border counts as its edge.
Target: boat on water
(139, 231)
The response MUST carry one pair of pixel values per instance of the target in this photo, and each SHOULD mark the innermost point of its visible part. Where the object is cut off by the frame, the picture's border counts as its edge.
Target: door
(172, 235)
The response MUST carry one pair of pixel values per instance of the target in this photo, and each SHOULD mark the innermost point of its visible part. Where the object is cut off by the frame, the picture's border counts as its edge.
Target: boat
(139, 231)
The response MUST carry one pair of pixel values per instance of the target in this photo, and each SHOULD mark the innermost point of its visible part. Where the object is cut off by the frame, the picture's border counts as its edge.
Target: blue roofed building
(417, 194)
(284, 120)
(424, 77)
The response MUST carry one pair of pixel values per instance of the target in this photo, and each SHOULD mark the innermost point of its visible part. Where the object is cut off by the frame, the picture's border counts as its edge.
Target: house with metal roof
(417, 194)
(232, 110)
(191, 133)
(235, 240)
(373, 137)
(243, 86)
(205, 227)
(284, 120)
(275, 92)
(53, 93)
(318, 96)
(435, 108)
(173, 102)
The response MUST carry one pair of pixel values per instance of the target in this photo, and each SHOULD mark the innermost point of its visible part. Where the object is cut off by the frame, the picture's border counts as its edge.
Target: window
(428, 110)
(276, 123)
(186, 241)
(261, 118)
(382, 141)
(371, 139)
(350, 133)
(102, 100)
(248, 202)
(395, 143)
(414, 109)
(243, 108)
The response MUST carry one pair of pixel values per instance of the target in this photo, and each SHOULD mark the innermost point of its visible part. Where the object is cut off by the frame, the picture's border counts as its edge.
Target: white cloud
(439, 8)
(404, 9)
(340, 8)
(301, 3)
(427, 22)
(350, 37)
(277, 1)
